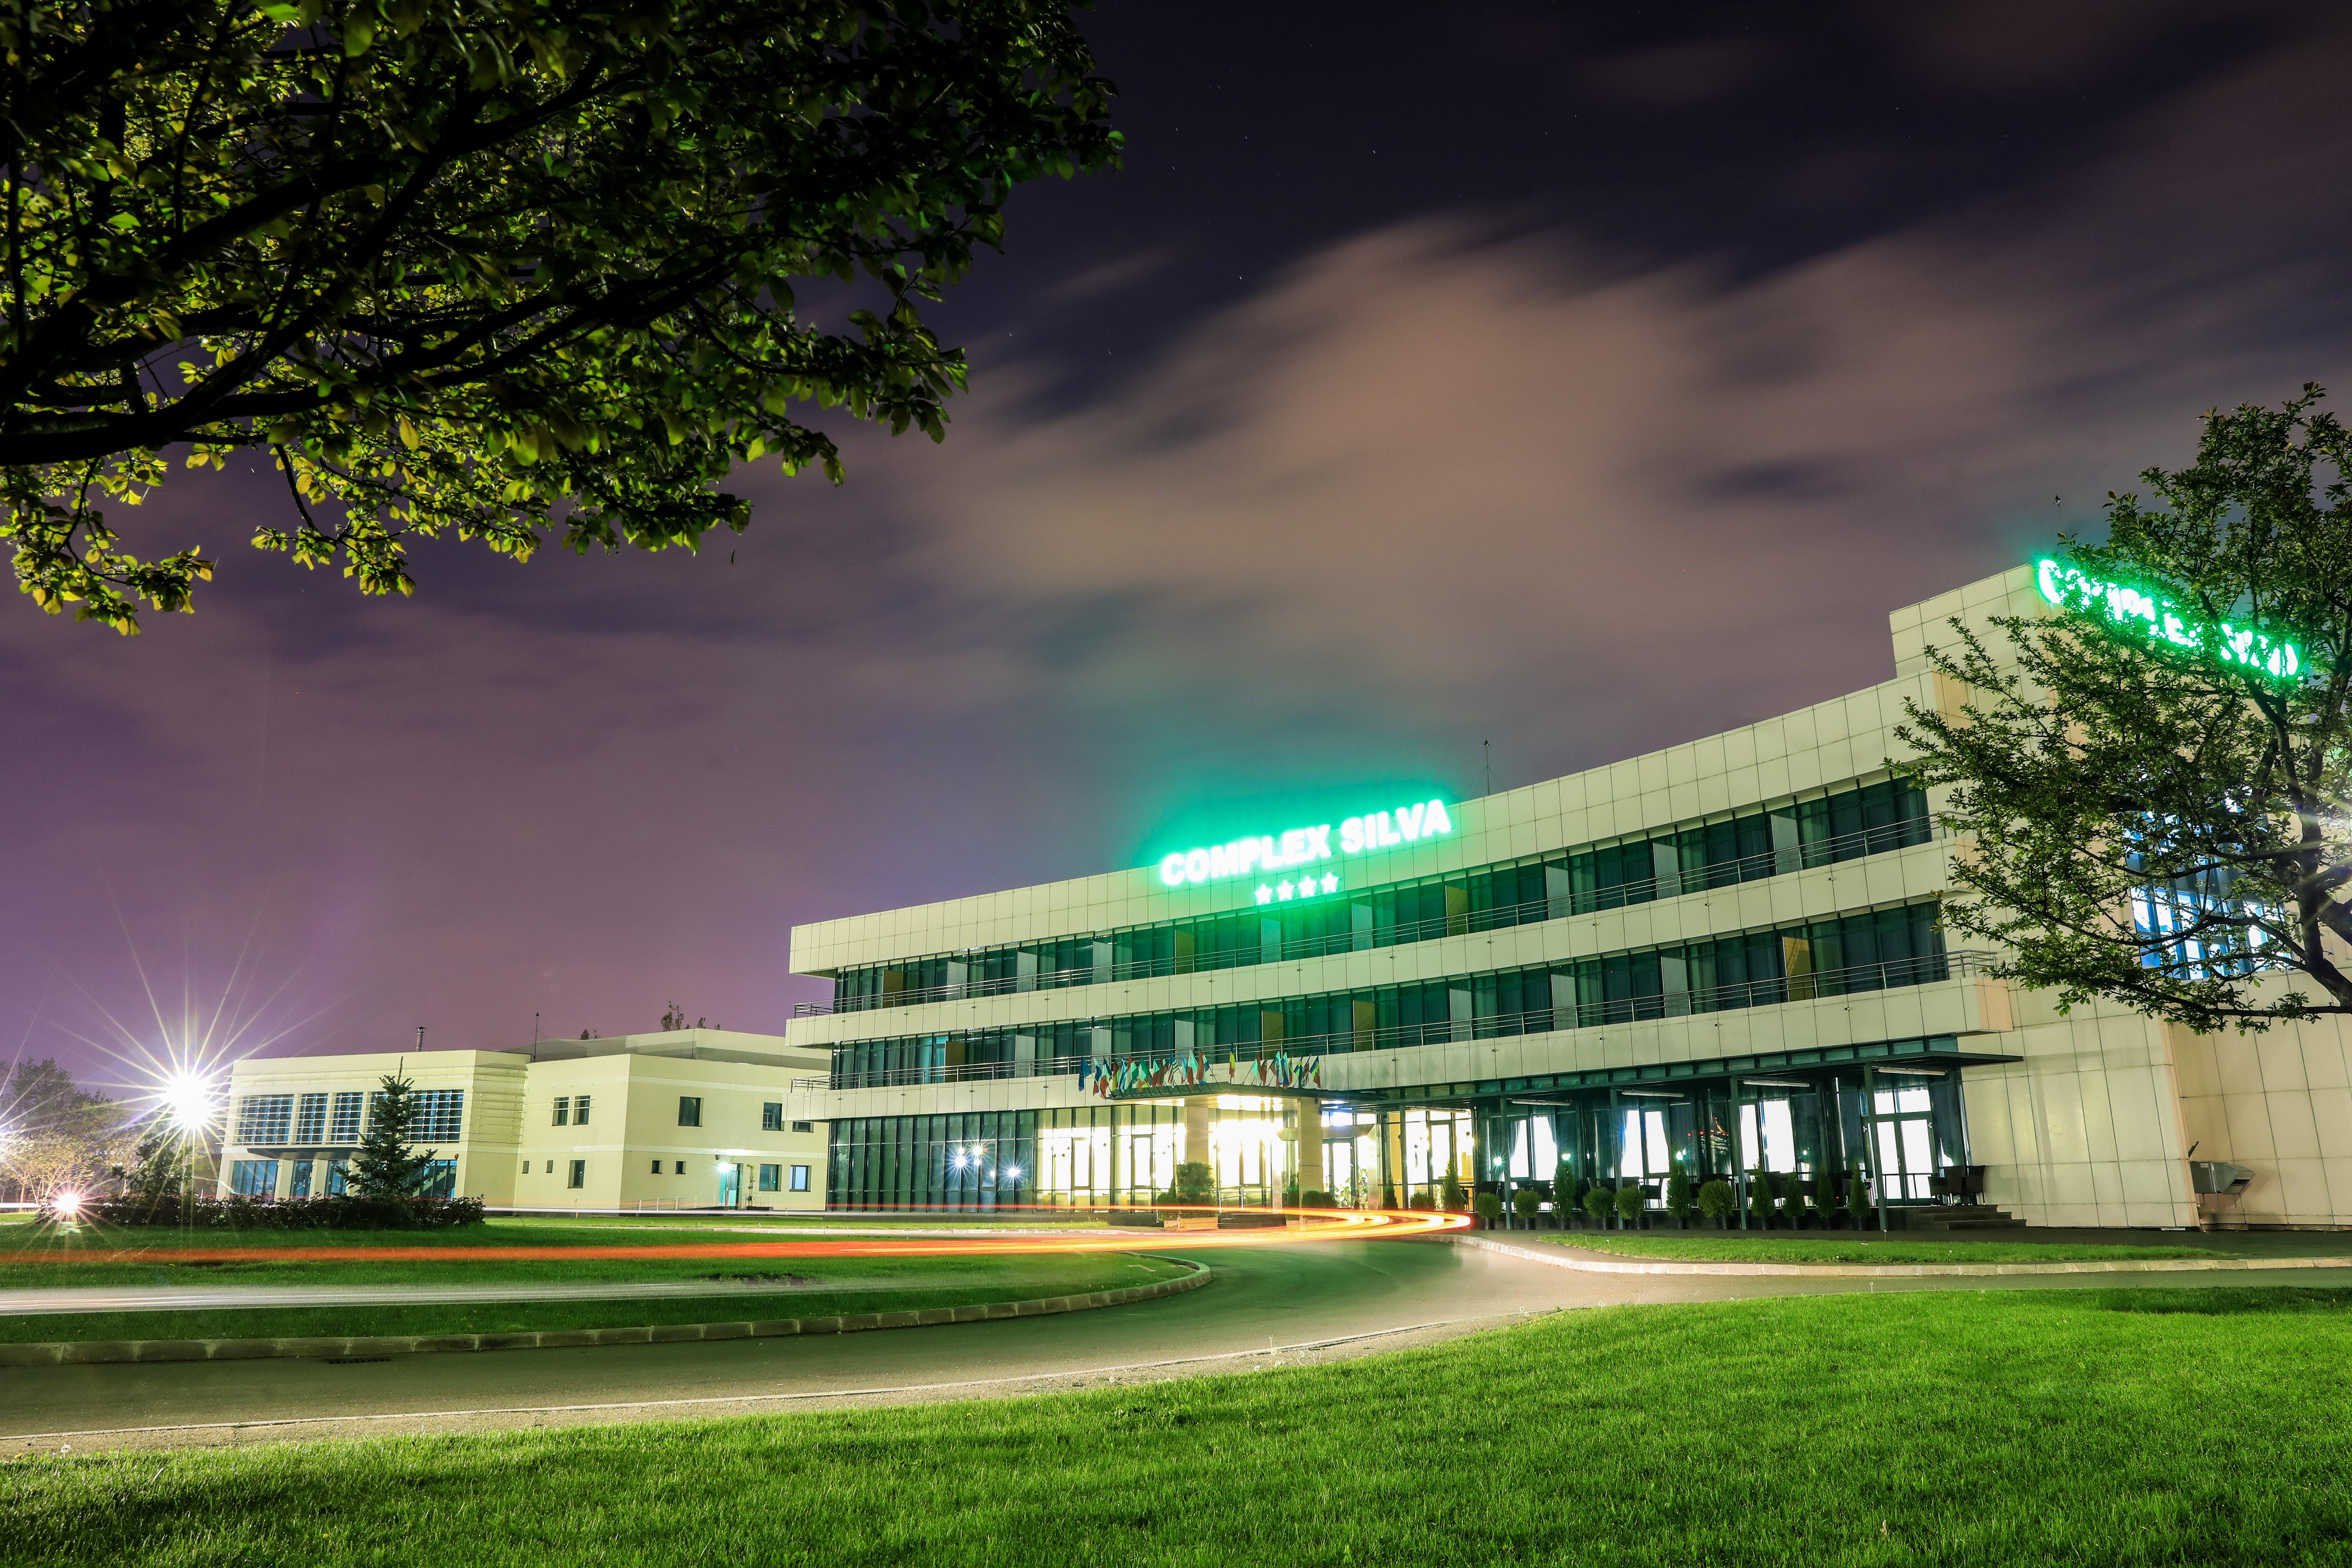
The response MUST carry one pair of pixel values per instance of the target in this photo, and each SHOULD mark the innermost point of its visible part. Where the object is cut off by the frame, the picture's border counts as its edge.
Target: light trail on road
(1311, 1226)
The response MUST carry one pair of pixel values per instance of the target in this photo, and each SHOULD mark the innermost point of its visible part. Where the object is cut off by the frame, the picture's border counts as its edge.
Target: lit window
(800, 1178)
(253, 1178)
(689, 1112)
(265, 1118)
(579, 1177)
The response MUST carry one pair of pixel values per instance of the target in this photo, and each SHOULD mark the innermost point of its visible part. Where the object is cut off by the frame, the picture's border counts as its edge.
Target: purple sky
(1574, 378)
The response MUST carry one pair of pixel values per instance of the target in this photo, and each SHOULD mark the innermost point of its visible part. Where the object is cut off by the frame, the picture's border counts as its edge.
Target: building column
(1198, 1139)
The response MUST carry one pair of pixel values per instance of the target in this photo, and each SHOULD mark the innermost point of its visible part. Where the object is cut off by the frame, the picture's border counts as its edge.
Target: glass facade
(1824, 830)
(1874, 950)
(265, 1118)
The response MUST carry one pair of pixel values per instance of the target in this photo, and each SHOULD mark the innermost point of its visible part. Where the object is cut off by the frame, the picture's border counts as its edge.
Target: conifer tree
(386, 1165)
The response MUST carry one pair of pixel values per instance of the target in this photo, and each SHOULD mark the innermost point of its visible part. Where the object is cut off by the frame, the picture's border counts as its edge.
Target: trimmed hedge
(343, 1212)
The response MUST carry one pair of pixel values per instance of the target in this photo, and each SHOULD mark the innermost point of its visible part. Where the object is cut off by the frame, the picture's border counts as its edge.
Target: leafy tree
(55, 1135)
(159, 1163)
(1718, 1201)
(385, 1166)
(1195, 1183)
(456, 268)
(2154, 785)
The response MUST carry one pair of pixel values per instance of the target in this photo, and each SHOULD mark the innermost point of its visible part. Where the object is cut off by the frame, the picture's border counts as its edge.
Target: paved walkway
(169, 1299)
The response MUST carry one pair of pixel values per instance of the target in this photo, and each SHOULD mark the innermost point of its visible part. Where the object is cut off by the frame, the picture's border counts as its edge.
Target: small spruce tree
(1857, 1198)
(1599, 1202)
(1716, 1200)
(1453, 1198)
(1759, 1197)
(386, 1165)
(1563, 1192)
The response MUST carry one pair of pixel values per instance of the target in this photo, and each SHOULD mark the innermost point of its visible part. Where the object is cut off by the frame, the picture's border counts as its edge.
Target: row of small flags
(1131, 1075)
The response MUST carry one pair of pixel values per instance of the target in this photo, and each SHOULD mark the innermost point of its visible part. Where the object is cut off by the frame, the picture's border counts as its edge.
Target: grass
(1835, 1247)
(119, 1257)
(2145, 1426)
(916, 1282)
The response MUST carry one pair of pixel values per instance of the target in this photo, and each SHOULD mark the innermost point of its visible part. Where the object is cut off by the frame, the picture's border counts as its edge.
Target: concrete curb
(87, 1352)
(1593, 1263)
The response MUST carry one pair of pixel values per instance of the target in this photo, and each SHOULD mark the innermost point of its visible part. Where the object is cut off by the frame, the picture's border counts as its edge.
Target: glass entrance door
(1904, 1139)
(731, 1185)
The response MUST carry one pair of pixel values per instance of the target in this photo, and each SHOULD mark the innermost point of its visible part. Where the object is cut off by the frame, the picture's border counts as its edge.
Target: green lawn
(908, 1284)
(2146, 1426)
(279, 1256)
(1845, 1247)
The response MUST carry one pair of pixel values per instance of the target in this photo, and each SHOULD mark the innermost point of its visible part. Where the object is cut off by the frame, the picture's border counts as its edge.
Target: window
(345, 1128)
(253, 1178)
(656, 1167)
(310, 1119)
(772, 1117)
(441, 1113)
(771, 1178)
(800, 1178)
(579, 1177)
(690, 1111)
(298, 1183)
(441, 1179)
(265, 1118)
(580, 1111)
(804, 1126)
(562, 1111)
(550, 1167)
(526, 1167)
(681, 1167)
(338, 1176)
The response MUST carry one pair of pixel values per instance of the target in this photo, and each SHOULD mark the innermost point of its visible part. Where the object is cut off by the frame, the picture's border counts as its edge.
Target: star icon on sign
(1330, 883)
(1282, 890)
(1264, 894)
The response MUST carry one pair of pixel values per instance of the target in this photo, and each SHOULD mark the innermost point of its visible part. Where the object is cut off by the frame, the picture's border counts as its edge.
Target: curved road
(1283, 1303)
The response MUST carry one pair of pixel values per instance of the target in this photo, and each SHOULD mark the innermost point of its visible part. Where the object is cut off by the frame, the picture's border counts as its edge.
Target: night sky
(1582, 379)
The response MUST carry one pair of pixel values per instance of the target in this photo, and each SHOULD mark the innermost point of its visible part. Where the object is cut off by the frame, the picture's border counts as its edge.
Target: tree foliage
(55, 1135)
(2149, 815)
(485, 267)
(386, 1165)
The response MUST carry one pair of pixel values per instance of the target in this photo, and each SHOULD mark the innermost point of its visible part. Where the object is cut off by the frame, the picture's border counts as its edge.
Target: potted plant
(1488, 1207)
(1629, 1205)
(1599, 1202)
(1678, 1196)
(1526, 1202)
(1718, 1201)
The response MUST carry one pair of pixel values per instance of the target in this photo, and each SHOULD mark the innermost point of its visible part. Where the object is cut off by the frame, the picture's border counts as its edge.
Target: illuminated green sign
(1300, 847)
(2161, 621)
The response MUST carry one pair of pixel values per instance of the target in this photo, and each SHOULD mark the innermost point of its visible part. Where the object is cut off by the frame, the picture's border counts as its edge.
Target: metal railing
(1847, 981)
(1698, 880)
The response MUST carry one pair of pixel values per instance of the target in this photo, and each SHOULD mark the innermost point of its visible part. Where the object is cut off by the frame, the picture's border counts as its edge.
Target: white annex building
(687, 1118)
(1725, 953)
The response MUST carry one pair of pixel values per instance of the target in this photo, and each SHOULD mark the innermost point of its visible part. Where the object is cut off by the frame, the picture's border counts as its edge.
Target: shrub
(1453, 1194)
(1527, 1201)
(1759, 1197)
(346, 1211)
(1629, 1203)
(1563, 1190)
(1716, 1200)
(1597, 1203)
(1678, 1192)
(1825, 1201)
(1312, 1200)
(1857, 1198)
(1420, 1198)
(1488, 1205)
(1195, 1183)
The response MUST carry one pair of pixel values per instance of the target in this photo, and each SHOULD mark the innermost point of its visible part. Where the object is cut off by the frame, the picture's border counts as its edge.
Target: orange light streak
(1305, 1226)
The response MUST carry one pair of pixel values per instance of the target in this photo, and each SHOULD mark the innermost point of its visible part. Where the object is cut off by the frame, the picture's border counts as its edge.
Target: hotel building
(1726, 953)
(686, 1119)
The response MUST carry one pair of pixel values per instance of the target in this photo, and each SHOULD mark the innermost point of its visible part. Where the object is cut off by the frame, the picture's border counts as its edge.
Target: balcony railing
(1857, 979)
(1722, 874)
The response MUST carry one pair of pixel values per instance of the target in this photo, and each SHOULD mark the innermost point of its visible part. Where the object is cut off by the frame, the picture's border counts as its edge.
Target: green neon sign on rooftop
(2130, 609)
(1302, 847)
